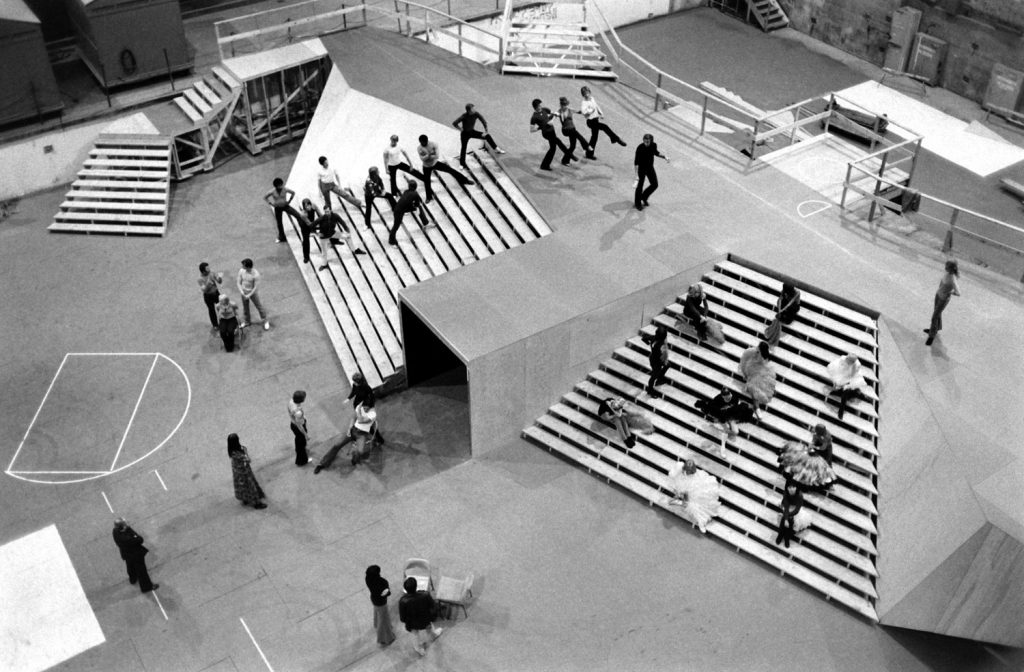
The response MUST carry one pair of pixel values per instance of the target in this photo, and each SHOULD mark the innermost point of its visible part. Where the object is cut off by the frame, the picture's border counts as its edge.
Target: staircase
(553, 40)
(768, 14)
(123, 188)
(836, 556)
(357, 294)
(207, 106)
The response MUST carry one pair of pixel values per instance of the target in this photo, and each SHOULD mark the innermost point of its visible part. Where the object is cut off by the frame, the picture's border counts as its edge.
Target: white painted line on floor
(824, 205)
(18, 472)
(157, 598)
(36, 416)
(160, 479)
(249, 632)
(112, 354)
(107, 501)
(138, 402)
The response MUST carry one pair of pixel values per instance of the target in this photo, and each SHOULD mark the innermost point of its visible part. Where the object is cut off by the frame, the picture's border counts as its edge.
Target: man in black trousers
(410, 202)
(374, 188)
(644, 164)
(658, 359)
(129, 542)
(541, 121)
(432, 162)
(467, 127)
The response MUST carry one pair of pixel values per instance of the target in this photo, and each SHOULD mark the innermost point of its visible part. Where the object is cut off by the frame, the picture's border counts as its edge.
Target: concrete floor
(573, 574)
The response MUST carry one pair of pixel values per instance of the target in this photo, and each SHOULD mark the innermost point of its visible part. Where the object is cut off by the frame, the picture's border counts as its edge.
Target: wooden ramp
(356, 295)
(836, 556)
(553, 40)
(123, 188)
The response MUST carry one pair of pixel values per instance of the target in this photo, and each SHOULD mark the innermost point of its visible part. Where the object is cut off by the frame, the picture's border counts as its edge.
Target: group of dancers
(805, 466)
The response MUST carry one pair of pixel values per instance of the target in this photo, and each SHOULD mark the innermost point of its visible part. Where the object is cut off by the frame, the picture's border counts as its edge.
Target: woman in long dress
(247, 490)
(847, 380)
(379, 592)
(758, 373)
(810, 466)
(696, 491)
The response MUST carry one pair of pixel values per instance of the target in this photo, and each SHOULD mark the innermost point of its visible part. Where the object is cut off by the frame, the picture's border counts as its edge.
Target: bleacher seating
(123, 188)
(554, 40)
(836, 555)
(357, 294)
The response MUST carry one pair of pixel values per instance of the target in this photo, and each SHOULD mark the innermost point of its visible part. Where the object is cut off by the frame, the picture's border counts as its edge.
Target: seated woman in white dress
(810, 466)
(696, 491)
(759, 374)
(847, 379)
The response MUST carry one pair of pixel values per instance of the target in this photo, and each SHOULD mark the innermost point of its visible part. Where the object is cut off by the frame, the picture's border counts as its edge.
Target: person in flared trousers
(380, 590)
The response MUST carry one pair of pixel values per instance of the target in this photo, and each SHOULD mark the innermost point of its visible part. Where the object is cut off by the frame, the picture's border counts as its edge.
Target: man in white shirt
(248, 287)
(395, 159)
(431, 160)
(592, 111)
(363, 428)
(331, 183)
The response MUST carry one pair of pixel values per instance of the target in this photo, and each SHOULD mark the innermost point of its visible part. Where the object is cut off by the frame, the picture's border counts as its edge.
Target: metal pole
(878, 186)
(704, 115)
(846, 186)
(947, 245)
(831, 106)
(344, 17)
(460, 39)
(106, 86)
(657, 94)
(913, 164)
(170, 76)
(753, 140)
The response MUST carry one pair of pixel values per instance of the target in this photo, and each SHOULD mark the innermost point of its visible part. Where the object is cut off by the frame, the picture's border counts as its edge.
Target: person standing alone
(379, 593)
(248, 287)
(280, 200)
(129, 543)
(297, 416)
(644, 165)
(209, 283)
(948, 288)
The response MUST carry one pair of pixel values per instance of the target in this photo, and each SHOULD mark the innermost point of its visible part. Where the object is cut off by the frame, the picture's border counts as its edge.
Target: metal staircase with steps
(208, 106)
(123, 188)
(553, 40)
(766, 13)
(836, 556)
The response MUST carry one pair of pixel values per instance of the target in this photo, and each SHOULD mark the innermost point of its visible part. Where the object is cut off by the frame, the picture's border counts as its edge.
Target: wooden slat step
(125, 164)
(113, 205)
(110, 217)
(115, 229)
(548, 50)
(226, 77)
(188, 109)
(515, 31)
(79, 195)
(158, 186)
(472, 223)
(197, 101)
(596, 74)
(207, 93)
(558, 61)
(457, 226)
(94, 173)
(490, 216)
(131, 152)
(517, 225)
(132, 140)
(536, 221)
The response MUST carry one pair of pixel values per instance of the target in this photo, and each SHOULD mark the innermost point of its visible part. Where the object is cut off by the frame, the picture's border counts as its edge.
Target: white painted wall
(28, 168)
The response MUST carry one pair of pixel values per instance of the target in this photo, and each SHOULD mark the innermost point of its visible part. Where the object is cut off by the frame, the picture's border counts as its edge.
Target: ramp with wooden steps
(768, 14)
(554, 42)
(122, 189)
(836, 556)
(357, 294)
(207, 107)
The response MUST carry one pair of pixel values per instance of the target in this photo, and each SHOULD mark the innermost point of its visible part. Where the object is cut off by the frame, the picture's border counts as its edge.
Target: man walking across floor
(209, 284)
(643, 162)
(541, 121)
(416, 610)
(410, 202)
(249, 287)
(280, 200)
(129, 543)
(331, 183)
(431, 160)
(374, 188)
(297, 417)
(395, 159)
(466, 124)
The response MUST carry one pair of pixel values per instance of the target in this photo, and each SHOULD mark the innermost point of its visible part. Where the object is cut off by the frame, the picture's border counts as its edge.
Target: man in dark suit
(129, 542)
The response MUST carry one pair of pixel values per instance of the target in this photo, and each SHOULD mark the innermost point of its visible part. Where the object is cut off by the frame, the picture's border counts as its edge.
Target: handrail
(888, 148)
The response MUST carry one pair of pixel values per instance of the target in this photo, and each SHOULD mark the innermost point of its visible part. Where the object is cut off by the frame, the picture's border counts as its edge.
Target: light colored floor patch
(46, 617)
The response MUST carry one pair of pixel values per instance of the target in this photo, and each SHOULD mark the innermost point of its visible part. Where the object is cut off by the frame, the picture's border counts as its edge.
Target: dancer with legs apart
(593, 114)
(395, 159)
(569, 128)
(432, 162)
(466, 124)
(540, 121)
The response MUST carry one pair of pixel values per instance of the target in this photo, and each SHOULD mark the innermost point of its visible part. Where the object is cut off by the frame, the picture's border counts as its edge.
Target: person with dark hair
(431, 160)
(466, 123)
(847, 379)
(297, 417)
(593, 114)
(331, 183)
(374, 188)
(569, 128)
(248, 286)
(948, 288)
(327, 225)
(810, 466)
(409, 203)
(695, 309)
(726, 409)
(395, 159)
(280, 200)
(791, 505)
(541, 121)
(758, 374)
(613, 411)
(643, 163)
(359, 392)
(209, 284)
(129, 543)
(227, 321)
(361, 431)
(658, 359)
(788, 305)
(247, 489)
(416, 610)
(379, 592)
(310, 213)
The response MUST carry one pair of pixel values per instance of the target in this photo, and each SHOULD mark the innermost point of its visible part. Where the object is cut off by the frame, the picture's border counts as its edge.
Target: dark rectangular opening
(427, 358)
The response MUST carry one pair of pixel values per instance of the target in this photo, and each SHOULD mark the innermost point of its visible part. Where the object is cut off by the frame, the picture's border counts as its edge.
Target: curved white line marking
(94, 474)
(823, 206)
